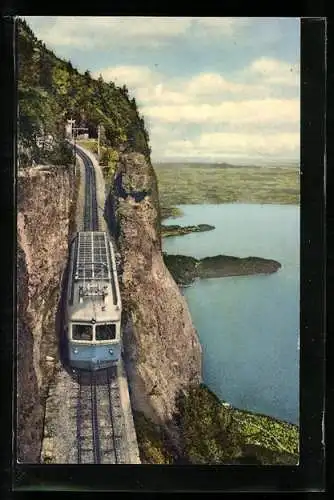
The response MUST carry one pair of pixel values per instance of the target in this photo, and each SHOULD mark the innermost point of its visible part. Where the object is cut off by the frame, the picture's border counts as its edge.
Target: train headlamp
(111, 351)
(75, 350)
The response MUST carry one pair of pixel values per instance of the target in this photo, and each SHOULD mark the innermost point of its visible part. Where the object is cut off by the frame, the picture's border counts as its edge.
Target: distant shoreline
(184, 184)
(224, 165)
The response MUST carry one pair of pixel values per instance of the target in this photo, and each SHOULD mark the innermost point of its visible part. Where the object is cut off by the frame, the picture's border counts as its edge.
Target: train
(93, 310)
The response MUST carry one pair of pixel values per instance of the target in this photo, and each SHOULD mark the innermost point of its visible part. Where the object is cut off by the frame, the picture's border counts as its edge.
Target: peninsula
(185, 270)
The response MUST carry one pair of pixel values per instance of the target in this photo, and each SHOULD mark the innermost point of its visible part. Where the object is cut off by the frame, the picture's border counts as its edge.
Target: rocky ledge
(186, 269)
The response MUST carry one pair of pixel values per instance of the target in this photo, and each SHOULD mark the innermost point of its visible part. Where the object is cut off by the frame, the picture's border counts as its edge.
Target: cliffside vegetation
(152, 441)
(215, 433)
(51, 90)
(176, 230)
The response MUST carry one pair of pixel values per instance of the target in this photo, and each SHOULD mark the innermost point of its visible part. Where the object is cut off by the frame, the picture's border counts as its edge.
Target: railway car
(93, 305)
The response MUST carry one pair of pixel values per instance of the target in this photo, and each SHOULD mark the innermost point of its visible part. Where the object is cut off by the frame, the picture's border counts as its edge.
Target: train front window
(82, 332)
(105, 332)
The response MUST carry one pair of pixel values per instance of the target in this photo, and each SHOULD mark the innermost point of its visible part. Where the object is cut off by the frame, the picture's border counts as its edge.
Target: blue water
(249, 325)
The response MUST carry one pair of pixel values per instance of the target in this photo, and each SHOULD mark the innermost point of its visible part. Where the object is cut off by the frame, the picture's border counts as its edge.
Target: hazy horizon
(232, 162)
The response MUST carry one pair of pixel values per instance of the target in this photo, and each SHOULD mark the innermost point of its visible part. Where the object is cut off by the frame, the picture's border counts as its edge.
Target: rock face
(162, 351)
(43, 223)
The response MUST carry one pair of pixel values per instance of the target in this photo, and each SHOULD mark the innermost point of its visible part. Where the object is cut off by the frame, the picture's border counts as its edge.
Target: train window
(105, 332)
(82, 332)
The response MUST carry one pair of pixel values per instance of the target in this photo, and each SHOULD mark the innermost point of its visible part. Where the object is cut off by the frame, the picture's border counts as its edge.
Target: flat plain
(195, 183)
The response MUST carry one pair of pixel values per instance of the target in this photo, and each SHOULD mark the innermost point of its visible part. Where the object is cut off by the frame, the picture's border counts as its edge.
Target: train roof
(94, 291)
(93, 259)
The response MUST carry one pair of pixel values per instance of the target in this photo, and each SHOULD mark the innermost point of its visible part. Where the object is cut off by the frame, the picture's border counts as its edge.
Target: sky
(210, 89)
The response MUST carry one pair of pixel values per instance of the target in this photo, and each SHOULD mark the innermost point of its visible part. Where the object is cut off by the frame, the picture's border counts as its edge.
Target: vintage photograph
(158, 240)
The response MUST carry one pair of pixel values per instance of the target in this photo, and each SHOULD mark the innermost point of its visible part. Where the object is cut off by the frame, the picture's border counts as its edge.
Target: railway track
(91, 222)
(90, 217)
(99, 417)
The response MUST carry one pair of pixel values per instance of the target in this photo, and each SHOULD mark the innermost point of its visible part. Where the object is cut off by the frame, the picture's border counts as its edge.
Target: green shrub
(90, 144)
(212, 433)
(151, 441)
(108, 160)
(209, 432)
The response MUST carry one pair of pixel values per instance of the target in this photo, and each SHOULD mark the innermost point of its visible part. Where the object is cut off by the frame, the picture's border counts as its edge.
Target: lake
(248, 326)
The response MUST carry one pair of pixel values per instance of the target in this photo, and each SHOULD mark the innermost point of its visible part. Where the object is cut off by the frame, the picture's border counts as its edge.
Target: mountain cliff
(44, 223)
(162, 351)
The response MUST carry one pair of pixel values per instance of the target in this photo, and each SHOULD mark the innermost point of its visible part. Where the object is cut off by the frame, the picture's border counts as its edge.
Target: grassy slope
(197, 184)
(267, 432)
(90, 144)
(212, 433)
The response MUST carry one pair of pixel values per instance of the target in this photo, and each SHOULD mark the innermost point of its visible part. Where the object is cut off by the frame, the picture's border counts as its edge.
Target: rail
(99, 418)
(91, 221)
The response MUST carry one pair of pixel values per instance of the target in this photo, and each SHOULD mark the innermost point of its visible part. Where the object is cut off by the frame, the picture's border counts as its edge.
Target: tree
(51, 90)
(125, 90)
(208, 430)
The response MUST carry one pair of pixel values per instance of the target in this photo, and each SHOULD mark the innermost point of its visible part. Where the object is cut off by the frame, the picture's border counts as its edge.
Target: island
(185, 270)
(176, 230)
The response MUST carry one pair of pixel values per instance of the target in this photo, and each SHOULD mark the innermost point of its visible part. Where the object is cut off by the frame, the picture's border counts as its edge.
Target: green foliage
(209, 432)
(61, 154)
(108, 159)
(151, 441)
(51, 90)
(213, 433)
(268, 432)
(90, 144)
(181, 267)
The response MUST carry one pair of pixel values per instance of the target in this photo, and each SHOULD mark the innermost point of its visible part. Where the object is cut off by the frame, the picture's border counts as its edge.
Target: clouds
(212, 84)
(218, 115)
(275, 72)
(224, 25)
(103, 32)
(133, 76)
(149, 32)
(263, 79)
(207, 87)
(265, 111)
(229, 145)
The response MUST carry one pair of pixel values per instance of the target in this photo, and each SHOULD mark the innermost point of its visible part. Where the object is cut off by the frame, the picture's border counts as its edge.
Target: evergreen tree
(51, 90)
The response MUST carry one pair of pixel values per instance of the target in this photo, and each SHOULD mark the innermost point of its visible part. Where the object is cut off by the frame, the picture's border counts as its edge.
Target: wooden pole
(98, 143)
